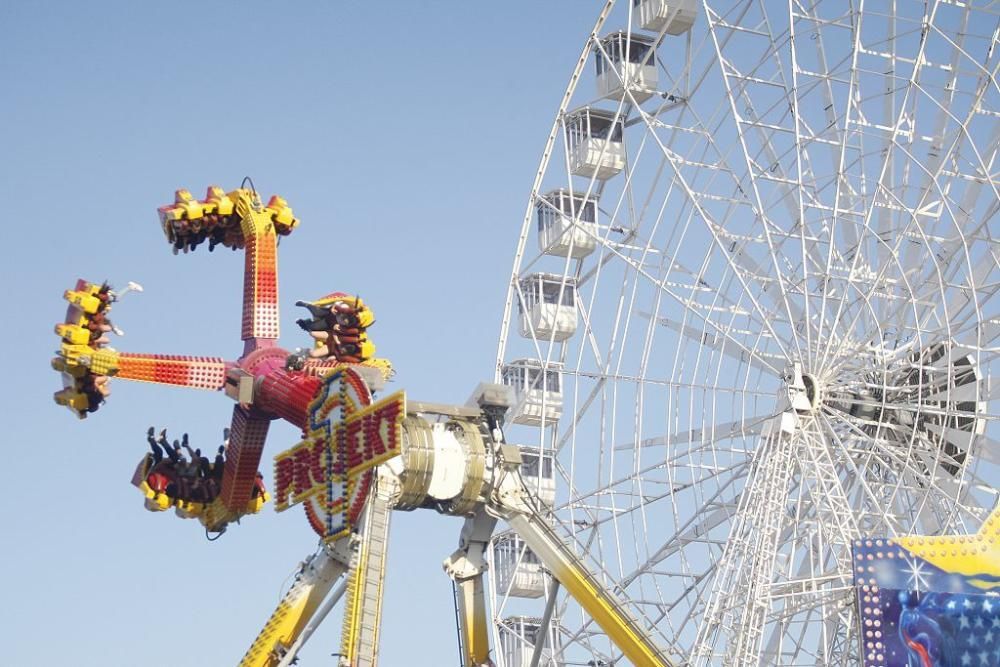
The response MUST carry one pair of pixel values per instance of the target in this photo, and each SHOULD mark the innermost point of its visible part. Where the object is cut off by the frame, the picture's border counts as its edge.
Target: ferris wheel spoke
(719, 339)
(696, 528)
(898, 124)
(764, 90)
(878, 454)
(623, 488)
(717, 336)
(729, 248)
(716, 432)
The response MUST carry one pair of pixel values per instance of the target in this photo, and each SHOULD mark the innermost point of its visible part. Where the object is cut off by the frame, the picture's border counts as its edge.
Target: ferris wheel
(752, 318)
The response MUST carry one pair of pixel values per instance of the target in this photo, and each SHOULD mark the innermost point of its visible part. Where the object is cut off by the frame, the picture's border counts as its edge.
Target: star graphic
(966, 658)
(967, 603)
(963, 622)
(951, 604)
(979, 622)
(977, 556)
(919, 579)
(988, 637)
(987, 606)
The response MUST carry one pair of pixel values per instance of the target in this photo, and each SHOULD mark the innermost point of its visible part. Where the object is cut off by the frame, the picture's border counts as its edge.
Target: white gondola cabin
(518, 635)
(538, 469)
(626, 62)
(518, 571)
(537, 392)
(567, 224)
(677, 16)
(548, 307)
(594, 142)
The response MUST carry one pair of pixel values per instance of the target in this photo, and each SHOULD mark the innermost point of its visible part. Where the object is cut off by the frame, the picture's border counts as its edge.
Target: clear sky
(405, 136)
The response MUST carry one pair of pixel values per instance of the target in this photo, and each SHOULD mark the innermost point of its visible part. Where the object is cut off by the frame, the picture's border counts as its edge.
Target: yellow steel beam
(363, 609)
(606, 610)
(294, 611)
(473, 621)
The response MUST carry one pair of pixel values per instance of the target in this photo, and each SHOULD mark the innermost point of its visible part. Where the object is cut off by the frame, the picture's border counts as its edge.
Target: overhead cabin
(567, 224)
(626, 63)
(518, 570)
(518, 635)
(548, 307)
(672, 17)
(594, 143)
(538, 469)
(537, 393)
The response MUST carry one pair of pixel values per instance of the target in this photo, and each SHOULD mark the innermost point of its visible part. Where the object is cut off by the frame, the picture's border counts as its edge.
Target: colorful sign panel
(930, 601)
(331, 470)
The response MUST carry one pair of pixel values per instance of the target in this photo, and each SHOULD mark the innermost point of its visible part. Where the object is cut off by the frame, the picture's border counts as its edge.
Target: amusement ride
(751, 324)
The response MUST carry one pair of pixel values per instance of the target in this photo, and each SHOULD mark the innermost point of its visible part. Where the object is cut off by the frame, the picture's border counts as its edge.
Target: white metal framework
(778, 331)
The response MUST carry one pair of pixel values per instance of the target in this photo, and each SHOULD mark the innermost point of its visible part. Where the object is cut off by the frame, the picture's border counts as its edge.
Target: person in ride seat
(258, 486)
(157, 450)
(219, 467)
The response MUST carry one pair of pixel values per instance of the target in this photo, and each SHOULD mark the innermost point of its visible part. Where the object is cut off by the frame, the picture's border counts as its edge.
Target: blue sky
(404, 135)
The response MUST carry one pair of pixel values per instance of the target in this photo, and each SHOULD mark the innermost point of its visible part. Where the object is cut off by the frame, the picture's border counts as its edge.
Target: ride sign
(331, 470)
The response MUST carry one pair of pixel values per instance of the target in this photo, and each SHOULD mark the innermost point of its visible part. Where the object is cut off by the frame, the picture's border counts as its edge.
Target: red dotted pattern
(287, 395)
(197, 372)
(314, 520)
(260, 287)
(246, 444)
(358, 496)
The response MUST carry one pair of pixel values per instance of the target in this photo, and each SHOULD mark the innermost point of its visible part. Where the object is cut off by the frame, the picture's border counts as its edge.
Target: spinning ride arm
(167, 369)
(248, 434)
(260, 274)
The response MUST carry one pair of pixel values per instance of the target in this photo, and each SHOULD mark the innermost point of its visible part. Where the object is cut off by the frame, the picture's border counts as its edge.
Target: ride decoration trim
(330, 470)
(923, 600)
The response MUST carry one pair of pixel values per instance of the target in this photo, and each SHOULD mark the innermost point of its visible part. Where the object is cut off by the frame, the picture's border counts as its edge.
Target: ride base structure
(358, 458)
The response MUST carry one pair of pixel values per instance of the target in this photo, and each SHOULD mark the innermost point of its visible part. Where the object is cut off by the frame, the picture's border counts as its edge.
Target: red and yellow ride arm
(246, 445)
(179, 371)
(235, 220)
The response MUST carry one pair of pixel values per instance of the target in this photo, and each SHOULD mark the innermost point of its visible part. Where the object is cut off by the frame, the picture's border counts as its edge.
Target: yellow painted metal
(473, 621)
(363, 609)
(294, 611)
(253, 222)
(976, 556)
(103, 362)
(353, 607)
(596, 600)
(606, 615)
(284, 625)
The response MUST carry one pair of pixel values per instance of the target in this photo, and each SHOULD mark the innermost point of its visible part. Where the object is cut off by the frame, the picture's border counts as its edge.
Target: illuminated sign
(331, 470)
(930, 600)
